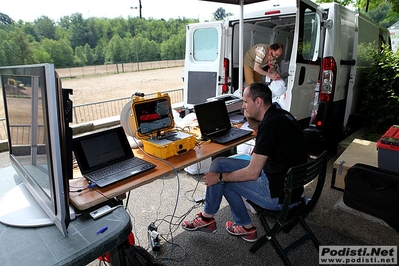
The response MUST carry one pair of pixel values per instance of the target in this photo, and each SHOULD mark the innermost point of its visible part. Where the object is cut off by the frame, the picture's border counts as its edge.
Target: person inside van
(279, 145)
(259, 61)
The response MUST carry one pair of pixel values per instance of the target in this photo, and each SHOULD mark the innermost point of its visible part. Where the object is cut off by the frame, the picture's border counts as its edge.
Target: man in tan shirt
(260, 57)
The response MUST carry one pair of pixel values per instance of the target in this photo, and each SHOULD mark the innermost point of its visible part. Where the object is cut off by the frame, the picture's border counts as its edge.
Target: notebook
(214, 122)
(105, 157)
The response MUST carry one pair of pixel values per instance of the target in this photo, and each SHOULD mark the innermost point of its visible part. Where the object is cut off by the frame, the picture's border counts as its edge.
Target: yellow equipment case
(151, 120)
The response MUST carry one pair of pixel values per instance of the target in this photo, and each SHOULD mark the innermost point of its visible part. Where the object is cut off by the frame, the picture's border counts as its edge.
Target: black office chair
(288, 218)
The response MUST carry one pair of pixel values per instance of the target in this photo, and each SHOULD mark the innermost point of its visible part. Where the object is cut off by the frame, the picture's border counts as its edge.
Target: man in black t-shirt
(280, 145)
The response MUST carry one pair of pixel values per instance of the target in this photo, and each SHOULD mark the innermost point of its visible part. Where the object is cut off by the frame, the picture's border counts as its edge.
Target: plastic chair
(288, 218)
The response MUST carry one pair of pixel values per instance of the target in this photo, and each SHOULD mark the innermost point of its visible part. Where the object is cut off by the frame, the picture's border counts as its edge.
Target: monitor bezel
(56, 202)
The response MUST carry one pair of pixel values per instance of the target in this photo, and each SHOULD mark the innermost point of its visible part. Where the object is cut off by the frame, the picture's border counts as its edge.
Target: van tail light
(226, 75)
(328, 74)
(274, 12)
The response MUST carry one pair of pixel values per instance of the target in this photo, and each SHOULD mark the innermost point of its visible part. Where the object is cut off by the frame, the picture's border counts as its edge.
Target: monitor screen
(39, 137)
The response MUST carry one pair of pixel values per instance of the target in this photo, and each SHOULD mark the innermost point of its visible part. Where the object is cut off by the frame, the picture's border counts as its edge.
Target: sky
(29, 10)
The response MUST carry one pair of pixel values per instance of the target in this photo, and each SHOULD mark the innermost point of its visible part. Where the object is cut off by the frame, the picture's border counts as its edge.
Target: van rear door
(203, 64)
(353, 81)
(305, 62)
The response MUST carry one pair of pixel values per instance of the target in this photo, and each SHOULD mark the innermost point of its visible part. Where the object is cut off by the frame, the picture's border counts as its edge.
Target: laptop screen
(100, 149)
(212, 117)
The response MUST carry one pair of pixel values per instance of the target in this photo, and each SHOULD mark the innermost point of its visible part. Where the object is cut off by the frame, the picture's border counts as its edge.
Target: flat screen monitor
(37, 111)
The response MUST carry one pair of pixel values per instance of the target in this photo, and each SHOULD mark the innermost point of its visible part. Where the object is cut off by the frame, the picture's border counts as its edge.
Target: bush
(380, 102)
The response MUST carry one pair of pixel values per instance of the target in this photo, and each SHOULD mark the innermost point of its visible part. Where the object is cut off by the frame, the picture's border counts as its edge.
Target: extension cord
(153, 237)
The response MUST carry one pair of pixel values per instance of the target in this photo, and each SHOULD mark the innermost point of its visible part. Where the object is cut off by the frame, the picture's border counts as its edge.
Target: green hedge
(380, 102)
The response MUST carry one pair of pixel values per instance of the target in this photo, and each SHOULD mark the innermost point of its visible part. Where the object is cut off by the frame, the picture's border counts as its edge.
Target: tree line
(75, 41)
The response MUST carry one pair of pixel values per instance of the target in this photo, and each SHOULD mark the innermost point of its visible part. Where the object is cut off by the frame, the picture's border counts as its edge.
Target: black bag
(137, 255)
(374, 191)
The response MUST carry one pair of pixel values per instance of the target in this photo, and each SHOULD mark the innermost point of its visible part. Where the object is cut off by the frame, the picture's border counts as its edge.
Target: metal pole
(140, 6)
(241, 47)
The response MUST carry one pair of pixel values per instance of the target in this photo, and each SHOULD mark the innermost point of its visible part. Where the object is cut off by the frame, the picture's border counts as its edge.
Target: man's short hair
(261, 90)
(276, 46)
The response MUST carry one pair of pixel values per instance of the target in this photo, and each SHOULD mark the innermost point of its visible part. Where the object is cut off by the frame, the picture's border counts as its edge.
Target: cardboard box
(359, 151)
(388, 150)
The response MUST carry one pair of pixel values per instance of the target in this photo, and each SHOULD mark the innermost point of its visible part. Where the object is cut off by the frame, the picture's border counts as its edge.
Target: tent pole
(241, 47)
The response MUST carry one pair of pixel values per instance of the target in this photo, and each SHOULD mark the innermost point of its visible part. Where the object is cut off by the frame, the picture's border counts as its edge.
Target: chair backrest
(300, 176)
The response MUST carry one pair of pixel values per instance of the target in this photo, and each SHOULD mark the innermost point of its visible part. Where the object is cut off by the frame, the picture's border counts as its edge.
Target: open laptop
(105, 157)
(214, 122)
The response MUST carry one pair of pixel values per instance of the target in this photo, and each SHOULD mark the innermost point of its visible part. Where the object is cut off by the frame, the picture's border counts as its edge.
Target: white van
(320, 51)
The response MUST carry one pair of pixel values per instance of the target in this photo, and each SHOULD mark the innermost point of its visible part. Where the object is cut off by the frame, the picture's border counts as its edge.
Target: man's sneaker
(199, 224)
(249, 235)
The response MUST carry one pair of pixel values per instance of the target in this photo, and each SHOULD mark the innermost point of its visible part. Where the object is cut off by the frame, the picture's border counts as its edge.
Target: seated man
(280, 145)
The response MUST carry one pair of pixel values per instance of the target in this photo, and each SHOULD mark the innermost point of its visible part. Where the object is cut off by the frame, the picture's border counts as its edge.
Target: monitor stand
(19, 208)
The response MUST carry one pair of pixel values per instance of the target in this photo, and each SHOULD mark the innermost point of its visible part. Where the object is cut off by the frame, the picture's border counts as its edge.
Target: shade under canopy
(241, 25)
(235, 2)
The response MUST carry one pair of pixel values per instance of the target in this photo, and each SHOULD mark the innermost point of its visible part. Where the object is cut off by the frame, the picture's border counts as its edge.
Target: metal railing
(108, 69)
(83, 113)
(3, 129)
(21, 134)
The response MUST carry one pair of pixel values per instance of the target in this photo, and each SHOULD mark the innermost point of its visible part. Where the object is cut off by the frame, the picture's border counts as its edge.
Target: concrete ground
(168, 201)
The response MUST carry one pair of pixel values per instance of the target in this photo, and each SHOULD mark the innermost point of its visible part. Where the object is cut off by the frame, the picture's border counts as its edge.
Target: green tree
(3, 58)
(379, 105)
(5, 19)
(29, 29)
(383, 12)
(119, 26)
(3, 38)
(88, 54)
(41, 56)
(115, 49)
(60, 52)
(78, 30)
(61, 33)
(158, 32)
(99, 52)
(80, 58)
(148, 50)
(44, 28)
(129, 53)
(341, 2)
(220, 14)
(21, 49)
(140, 38)
(384, 15)
(173, 48)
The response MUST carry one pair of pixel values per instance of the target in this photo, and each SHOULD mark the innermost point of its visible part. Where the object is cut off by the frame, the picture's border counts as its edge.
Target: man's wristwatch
(221, 181)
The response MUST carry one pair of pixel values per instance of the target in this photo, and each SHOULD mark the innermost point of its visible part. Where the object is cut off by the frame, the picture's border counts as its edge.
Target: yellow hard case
(152, 122)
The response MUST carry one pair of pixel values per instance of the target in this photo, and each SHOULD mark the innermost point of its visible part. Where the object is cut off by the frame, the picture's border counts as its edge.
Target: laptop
(105, 157)
(214, 122)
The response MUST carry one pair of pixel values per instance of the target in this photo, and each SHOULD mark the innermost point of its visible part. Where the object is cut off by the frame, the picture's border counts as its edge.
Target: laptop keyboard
(230, 135)
(113, 169)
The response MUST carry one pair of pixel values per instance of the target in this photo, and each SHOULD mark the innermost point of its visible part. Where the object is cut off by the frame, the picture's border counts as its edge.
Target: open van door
(305, 61)
(203, 66)
(367, 37)
(351, 95)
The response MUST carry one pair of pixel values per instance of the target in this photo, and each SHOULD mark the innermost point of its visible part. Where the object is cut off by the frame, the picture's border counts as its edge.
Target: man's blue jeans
(257, 191)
